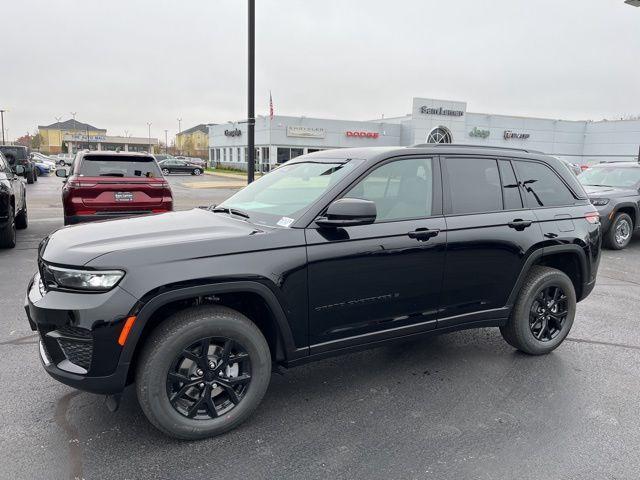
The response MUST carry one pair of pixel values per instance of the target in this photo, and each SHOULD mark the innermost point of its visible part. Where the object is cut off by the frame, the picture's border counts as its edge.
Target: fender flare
(146, 311)
(546, 252)
(628, 204)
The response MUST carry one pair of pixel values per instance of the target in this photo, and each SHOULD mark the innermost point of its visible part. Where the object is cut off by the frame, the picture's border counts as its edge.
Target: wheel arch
(630, 209)
(242, 296)
(570, 259)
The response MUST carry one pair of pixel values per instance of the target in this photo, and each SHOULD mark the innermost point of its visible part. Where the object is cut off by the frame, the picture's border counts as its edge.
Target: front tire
(22, 219)
(543, 314)
(31, 177)
(202, 372)
(165, 171)
(620, 232)
(197, 172)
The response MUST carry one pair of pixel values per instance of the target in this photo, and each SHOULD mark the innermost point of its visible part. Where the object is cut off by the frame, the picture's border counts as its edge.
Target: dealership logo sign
(509, 134)
(305, 132)
(236, 132)
(350, 133)
(441, 111)
(478, 132)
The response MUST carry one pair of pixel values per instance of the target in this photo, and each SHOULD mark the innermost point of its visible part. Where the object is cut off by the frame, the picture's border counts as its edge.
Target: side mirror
(347, 212)
(62, 172)
(18, 169)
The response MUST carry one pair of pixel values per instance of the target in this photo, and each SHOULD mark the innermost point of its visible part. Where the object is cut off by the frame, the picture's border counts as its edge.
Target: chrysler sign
(305, 132)
(440, 111)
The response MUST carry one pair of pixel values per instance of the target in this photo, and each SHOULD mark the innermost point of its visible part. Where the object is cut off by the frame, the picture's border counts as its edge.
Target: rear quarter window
(118, 166)
(541, 186)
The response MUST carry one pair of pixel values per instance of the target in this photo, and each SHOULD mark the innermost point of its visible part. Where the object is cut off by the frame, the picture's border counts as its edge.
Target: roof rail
(466, 145)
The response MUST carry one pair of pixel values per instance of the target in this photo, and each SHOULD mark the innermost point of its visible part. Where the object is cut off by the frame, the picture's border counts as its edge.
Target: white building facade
(281, 138)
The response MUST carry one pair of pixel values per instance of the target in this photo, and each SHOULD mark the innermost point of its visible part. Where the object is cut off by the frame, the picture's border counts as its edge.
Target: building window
(440, 135)
(265, 154)
(311, 150)
(296, 152)
(284, 154)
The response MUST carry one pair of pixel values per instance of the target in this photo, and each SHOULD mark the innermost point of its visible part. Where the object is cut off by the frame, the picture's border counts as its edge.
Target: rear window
(118, 166)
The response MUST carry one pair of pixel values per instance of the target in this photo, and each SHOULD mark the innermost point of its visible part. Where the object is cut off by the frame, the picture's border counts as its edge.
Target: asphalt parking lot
(458, 406)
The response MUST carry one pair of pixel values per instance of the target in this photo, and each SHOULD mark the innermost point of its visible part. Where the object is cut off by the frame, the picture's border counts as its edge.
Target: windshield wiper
(230, 211)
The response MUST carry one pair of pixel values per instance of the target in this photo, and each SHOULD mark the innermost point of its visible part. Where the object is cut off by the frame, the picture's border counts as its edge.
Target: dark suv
(332, 252)
(20, 155)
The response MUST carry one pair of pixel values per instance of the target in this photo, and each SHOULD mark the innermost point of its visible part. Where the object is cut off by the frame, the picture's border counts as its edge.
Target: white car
(41, 158)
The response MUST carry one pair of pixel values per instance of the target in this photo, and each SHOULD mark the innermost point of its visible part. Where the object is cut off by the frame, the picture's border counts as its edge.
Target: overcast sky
(122, 63)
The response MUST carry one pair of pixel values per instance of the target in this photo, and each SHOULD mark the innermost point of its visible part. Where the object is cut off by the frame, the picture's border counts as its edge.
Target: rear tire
(197, 172)
(30, 177)
(22, 220)
(8, 232)
(532, 314)
(165, 171)
(166, 346)
(620, 232)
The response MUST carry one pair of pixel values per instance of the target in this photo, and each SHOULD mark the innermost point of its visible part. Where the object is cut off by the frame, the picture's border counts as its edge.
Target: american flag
(270, 106)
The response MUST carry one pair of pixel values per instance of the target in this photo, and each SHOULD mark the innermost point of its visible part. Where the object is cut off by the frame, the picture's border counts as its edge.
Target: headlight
(93, 280)
(599, 202)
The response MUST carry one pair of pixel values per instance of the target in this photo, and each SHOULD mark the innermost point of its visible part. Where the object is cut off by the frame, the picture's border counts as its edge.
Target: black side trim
(365, 346)
(149, 308)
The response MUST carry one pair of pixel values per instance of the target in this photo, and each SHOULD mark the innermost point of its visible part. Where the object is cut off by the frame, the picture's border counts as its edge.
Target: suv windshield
(280, 197)
(621, 177)
(118, 166)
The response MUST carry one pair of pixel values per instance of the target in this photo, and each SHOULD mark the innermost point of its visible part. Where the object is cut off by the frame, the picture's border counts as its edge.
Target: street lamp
(166, 145)
(149, 125)
(2, 119)
(179, 131)
(73, 114)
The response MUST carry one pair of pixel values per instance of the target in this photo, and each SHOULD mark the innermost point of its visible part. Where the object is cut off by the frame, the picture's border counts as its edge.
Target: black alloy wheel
(209, 378)
(548, 313)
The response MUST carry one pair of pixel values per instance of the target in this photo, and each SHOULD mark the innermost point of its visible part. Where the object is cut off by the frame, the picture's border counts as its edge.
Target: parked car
(334, 251)
(13, 202)
(161, 156)
(614, 189)
(194, 160)
(42, 168)
(574, 167)
(39, 157)
(103, 185)
(65, 158)
(19, 155)
(179, 166)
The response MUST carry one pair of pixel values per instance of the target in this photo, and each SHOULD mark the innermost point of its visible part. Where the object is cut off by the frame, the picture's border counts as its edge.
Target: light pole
(73, 114)
(166, 145)
(179, 130)
(2, 118)
(149, 125)
(251, 121)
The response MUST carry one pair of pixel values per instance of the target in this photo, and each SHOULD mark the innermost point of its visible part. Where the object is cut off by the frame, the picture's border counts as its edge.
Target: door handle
(423, 234)
(519, 224)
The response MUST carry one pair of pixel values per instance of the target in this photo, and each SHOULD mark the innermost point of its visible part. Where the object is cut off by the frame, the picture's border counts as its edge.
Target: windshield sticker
(285, 221)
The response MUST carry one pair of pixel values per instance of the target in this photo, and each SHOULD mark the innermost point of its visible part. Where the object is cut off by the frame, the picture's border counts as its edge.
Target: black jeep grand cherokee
(332, 252)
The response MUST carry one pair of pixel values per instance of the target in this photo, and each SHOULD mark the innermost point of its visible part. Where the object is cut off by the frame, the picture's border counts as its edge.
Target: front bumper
(79, 335)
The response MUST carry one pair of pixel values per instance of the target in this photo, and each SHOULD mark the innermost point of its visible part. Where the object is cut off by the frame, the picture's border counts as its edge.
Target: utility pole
(166, 145)
(179, 131)
(2, 117)
(251, 121)
(73, 114)
(149, 125)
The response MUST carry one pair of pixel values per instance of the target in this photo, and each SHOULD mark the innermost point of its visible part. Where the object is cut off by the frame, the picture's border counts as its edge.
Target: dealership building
(281, 138)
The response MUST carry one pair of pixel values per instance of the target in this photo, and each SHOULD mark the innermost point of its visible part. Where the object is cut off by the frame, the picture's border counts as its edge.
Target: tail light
(162, 184)
(78, 184)
(584, 167)
(592, 217)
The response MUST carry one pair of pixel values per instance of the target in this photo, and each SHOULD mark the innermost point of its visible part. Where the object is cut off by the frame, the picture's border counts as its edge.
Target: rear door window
(474, 185)
(541, 186)
(510, 190)
(119, 166)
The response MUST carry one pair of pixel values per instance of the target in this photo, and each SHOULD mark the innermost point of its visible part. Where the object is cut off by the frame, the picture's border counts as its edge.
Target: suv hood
(609, 192)
(165, 237)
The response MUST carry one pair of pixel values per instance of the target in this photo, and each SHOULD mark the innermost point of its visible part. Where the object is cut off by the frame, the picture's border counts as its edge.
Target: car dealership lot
(464, 405)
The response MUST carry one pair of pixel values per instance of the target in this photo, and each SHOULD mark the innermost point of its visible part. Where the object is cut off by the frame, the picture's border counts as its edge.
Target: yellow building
(194, 141)
(57, 136)
(71, 135)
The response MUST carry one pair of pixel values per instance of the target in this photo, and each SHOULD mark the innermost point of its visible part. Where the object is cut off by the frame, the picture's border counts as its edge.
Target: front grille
(79, 353)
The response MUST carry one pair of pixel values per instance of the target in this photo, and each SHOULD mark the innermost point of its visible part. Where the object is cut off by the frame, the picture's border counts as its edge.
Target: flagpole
(251, 121)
